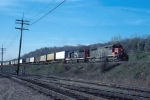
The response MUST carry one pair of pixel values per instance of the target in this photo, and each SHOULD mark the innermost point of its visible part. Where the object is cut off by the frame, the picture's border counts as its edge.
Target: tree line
(134, 44)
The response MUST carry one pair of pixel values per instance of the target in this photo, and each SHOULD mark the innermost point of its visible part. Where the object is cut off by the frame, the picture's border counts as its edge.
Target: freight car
(22, 61)
(50, 58)
(43, 59)
(16, 62)
(37, 60)
(27, 60)
(12, 62)
(61, 56)
(32, 60)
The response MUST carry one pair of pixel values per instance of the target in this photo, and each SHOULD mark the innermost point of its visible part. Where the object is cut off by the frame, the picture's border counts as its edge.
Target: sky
(74, 22)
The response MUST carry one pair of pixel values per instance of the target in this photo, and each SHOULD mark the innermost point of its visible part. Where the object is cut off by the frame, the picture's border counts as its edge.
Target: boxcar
(43, 58)
(27, 60)
(51, 57)
(22, 61)
(16, 62)
(32, 59)
(7, 63)
(61, 56)
(12, 62)
(37, 60)
(3, 63)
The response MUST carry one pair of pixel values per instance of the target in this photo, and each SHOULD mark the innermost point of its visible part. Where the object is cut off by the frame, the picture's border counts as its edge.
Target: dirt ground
(10, 90)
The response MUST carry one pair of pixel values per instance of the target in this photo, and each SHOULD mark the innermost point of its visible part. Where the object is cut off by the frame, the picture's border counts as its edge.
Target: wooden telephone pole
(2, 49)
(22, 22)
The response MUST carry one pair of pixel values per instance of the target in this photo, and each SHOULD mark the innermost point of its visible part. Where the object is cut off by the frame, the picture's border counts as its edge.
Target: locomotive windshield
(117, 49)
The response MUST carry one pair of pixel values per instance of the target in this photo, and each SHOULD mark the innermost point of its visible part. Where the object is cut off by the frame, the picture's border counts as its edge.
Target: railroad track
(3, 89)
(104, 90)
(6, 90)
(57, 91)
(70, 89)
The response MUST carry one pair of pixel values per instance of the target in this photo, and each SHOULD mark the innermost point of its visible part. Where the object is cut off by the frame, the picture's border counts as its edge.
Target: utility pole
(3, 49)
(22, 22)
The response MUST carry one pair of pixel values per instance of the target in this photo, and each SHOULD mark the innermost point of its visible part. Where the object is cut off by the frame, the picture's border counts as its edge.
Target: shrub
(60, 68)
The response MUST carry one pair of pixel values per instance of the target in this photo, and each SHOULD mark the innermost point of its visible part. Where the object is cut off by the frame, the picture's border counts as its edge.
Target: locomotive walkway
(77, 89)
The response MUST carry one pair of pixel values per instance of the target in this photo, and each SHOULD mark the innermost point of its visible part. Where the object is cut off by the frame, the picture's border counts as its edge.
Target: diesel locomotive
(108, 53)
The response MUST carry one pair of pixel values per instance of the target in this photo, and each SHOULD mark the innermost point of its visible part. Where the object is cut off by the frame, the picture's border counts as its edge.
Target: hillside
(132, 45)
(130, 73)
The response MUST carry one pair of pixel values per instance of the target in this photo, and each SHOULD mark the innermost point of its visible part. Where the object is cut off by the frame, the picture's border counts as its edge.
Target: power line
(7, 35)
(43, 9)
(32, 6)
(47, 13)
(38, 20)
(13, 30)
(12, 41)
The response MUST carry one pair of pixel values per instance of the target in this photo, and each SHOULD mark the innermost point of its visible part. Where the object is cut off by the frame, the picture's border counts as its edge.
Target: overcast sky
(72, 23)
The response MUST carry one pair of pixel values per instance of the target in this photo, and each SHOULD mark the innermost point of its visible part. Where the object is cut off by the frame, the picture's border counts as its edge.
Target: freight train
(108, 53)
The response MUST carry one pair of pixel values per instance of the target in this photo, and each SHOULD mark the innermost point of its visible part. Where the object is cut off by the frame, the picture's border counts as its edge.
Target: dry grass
(136, 73)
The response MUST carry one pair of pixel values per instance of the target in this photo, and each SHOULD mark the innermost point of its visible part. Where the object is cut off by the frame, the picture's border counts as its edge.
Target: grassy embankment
(132, 73)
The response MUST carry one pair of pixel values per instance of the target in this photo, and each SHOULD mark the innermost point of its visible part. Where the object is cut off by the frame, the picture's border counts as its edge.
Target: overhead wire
(29, 9)
(38, 19)
(12, 42)
(43, 9)
(7, 35)
(32, 7)
(47, 13)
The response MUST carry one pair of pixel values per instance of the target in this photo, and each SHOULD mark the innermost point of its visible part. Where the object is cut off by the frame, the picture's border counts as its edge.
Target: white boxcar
(7, 63)
(3, 63)
(27, 60)
(37, 59)
(50, 57)
(61, 55)
(22, 61)
(16, 62)
(12, 62)
(42, 58)
(32, 60)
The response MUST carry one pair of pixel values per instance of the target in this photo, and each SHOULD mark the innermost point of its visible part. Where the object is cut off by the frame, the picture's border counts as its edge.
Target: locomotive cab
(117, 50)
